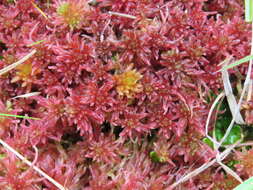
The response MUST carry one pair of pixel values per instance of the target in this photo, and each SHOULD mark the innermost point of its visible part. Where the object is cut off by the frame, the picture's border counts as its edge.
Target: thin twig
(250, 143)
(40, 11)
(202, 168)
(218, 98)
(36, 155)
(12, 66)
(27, 95)
(8, 147)
(228, 170)
(234, 108)
(103, 31)
(249, 96)
(122, 15)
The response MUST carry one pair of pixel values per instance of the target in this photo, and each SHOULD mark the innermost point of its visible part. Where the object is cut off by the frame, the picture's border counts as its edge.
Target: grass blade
(234, 108)
(40, 11)
(246, 185)
(248, 10)
(240, 61)
(35, 43)
(18, 116)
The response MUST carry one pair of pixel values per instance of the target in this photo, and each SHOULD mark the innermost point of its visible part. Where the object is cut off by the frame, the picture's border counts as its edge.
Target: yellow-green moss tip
(128, 82)
(71, 13)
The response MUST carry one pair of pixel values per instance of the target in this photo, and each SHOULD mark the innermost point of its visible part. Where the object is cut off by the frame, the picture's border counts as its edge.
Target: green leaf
(208, 142)
(234, 135)
(243, 60)
(232, 163)
(246, 185)
(18, 116)
(223, 120)
(2, 156)
(154, 157)
(248, 10)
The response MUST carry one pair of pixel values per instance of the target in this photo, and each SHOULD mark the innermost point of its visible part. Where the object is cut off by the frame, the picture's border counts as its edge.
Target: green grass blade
(246, 185)
(239, 62)
(18, 116)
(35, 43)
(248, 10)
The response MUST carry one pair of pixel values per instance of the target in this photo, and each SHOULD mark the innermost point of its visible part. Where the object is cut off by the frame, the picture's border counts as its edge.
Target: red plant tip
(127, 82)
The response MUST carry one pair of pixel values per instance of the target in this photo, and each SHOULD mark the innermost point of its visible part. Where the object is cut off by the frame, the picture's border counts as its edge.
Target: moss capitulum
(71, 13)
(127, 82)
